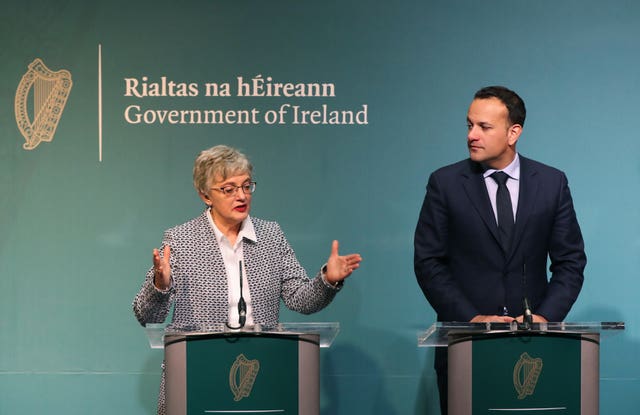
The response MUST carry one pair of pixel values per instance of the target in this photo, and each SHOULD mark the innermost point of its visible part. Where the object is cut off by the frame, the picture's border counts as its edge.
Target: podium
(256, 370)
(504, 368)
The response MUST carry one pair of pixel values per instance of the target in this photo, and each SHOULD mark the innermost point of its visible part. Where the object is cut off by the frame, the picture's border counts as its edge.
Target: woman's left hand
(339, 266)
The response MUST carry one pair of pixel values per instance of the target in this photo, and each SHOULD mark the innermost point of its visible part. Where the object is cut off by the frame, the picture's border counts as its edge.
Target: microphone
(527, 315)
(242, 306)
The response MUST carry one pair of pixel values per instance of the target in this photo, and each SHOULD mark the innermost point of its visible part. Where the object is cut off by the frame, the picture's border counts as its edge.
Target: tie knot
(500, 177)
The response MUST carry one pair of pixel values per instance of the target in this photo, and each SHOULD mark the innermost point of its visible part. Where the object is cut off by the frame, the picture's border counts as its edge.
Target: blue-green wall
(76, 233)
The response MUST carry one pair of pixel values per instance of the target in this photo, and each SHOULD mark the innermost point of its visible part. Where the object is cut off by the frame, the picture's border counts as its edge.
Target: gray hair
(218, 162)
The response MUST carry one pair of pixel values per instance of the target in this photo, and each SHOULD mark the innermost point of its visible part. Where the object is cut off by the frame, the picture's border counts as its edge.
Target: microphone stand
(242, 306)
(527, 315)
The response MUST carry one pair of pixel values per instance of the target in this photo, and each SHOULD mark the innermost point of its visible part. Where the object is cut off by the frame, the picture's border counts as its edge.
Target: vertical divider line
(99, 102)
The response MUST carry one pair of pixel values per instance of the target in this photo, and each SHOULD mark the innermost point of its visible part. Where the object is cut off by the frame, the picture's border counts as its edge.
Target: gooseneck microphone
(242, 305)
(527, 315)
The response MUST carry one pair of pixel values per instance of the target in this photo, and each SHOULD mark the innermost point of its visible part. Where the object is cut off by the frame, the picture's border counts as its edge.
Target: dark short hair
(513, 102)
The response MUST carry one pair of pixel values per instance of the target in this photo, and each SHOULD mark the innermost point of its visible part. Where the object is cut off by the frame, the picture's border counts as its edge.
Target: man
(477, 255)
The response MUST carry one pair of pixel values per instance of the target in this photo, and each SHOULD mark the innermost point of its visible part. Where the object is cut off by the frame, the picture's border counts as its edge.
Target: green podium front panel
(524, 373)
(242, 373)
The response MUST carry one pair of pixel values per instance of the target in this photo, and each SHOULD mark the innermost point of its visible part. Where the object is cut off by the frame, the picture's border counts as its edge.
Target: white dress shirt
(232, 257)
(513, 184)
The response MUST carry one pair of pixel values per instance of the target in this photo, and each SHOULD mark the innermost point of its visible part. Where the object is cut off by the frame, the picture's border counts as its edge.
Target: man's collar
(512, 170)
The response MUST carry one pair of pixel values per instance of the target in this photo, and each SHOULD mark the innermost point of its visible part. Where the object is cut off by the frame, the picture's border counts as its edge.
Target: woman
(225, 267)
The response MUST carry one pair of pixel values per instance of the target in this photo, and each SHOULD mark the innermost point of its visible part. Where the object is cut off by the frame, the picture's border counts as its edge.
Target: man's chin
(476, 157)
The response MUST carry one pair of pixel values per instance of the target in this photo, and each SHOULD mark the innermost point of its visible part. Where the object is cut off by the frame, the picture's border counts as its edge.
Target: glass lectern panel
(438, 334)
(327, 331)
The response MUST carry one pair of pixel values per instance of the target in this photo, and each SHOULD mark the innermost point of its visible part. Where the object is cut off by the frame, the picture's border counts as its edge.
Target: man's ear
(514, 134)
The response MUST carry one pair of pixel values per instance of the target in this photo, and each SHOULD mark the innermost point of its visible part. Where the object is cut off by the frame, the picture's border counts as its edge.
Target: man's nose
(472, 134)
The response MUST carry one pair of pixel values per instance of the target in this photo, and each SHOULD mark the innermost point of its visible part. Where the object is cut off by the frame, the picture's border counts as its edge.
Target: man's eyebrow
(480, 123)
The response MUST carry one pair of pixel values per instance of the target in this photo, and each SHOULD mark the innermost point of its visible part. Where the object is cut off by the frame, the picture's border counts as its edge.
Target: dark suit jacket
(460, 265)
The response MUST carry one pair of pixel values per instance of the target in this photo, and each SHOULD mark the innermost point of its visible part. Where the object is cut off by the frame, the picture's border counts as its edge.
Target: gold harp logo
(525, 375)
(47, 92)
(242, 376)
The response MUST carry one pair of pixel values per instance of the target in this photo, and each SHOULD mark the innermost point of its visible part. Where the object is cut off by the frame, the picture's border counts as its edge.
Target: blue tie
(504, 209)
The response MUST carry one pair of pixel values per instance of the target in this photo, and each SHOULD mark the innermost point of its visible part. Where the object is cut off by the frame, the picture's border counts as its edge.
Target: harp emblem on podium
(242, 376)
(40, 100)
(525, 375)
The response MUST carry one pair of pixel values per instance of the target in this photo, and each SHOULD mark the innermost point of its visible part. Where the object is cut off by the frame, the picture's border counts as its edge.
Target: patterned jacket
(199, 289)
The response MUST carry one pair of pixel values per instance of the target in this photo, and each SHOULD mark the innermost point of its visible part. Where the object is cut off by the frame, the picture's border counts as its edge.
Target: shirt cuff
(323, 275)
(158, 290)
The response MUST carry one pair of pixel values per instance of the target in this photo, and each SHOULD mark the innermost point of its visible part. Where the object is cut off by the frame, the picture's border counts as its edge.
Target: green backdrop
(80, 215)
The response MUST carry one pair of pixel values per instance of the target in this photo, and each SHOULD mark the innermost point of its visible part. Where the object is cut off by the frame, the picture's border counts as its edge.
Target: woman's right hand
(162, 269)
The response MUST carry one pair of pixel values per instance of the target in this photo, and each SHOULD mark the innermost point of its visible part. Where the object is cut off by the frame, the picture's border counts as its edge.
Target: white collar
(246, 229)
(512, 170)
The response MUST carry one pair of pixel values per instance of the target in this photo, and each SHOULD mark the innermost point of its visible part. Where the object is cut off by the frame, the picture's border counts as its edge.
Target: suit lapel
(255, 266)
(210, 277)
(252, 269)
(476, 189)
(526, 199)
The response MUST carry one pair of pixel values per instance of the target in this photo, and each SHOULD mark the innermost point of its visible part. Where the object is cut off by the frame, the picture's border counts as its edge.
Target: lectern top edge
(327, 331)
(438, 334)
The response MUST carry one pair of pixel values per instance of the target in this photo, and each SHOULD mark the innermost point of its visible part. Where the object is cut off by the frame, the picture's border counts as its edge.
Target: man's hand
(491, 319)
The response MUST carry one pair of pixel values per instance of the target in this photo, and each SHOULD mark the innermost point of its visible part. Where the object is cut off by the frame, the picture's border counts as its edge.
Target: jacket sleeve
(298, 291)
(431, 261)
(568, 259)
(152, 305)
